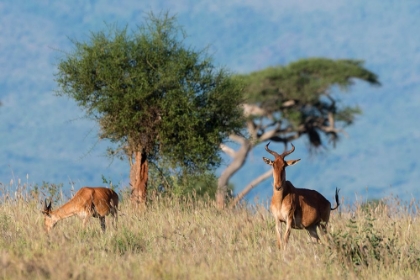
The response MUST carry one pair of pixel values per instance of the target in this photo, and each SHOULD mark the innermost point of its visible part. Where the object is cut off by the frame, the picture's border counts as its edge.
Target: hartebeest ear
(268, 161)
(292, 162)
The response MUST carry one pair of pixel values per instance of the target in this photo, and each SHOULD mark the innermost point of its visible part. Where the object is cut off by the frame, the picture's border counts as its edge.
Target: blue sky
(47, 138)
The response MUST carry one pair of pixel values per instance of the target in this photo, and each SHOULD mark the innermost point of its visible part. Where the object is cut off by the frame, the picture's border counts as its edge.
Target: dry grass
(187, 239)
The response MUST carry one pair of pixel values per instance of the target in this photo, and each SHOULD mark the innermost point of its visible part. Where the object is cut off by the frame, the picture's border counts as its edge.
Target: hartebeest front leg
(85, 217)
(278, 232)
(288, 230)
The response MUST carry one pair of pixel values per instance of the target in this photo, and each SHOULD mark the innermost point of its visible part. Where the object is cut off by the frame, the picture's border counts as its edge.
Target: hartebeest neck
(65, 211)
(287, 188)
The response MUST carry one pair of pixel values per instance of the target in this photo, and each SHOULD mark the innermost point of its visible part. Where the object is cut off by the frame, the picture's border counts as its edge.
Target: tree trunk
(251, 185)
(139, 172)
(239, 158)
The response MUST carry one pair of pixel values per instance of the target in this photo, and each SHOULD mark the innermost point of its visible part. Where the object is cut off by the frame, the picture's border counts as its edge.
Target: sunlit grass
(189, 239)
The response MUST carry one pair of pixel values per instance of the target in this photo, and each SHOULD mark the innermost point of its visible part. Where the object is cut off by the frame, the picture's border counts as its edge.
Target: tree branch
(253, 110)
(237, 162)
(229, 151)
(268, 134)
(249, 187)
(252, 129)
(238, 139)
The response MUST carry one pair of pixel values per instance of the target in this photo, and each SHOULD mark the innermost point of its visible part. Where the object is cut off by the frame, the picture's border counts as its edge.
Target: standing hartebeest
(96, 202)
(298, 208)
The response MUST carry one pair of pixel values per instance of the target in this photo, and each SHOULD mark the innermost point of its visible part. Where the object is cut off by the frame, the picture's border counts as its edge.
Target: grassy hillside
(186, 239)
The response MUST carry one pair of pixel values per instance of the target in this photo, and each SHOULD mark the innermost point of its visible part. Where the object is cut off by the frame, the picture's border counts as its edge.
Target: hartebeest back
(87, 202)
(298, 208)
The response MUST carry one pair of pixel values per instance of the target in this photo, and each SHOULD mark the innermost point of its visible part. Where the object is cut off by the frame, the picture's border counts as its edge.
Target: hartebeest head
(48, 221)
(279, 165)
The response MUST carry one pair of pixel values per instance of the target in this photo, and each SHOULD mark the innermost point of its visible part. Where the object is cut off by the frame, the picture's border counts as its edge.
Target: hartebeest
(298, 208)
(96, 202)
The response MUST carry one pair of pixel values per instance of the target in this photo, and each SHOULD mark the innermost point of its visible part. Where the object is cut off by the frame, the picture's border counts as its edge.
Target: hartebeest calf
(87, 202)
(298, 208)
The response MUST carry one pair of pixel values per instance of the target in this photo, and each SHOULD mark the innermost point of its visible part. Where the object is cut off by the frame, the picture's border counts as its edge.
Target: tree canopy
(153, 95)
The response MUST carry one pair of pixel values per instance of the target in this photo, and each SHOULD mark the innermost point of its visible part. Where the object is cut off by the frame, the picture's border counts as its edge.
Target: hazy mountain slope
(47, 136)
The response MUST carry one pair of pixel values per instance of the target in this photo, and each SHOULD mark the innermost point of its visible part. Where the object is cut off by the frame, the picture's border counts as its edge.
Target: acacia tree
(286, 103)
(154, 97)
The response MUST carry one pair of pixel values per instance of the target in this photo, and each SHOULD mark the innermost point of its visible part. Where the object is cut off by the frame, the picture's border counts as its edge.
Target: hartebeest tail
(87, 202)
(298, 208)
(337, 201)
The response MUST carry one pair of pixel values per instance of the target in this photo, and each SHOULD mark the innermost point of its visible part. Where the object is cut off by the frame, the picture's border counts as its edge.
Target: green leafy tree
(297, 100)
(154, 97)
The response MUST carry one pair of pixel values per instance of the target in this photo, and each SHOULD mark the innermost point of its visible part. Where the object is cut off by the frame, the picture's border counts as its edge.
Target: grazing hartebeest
(96, 202)
(298, 208)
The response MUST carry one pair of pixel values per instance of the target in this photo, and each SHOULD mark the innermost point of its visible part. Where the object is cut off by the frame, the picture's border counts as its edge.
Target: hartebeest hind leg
(114, 214)
(323, 231)
(115, 221)
(102, 220)
(313, 233)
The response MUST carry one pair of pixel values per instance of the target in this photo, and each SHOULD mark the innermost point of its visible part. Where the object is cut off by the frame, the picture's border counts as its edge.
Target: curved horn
(286, 153)
(45, 210)
(270, 151)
